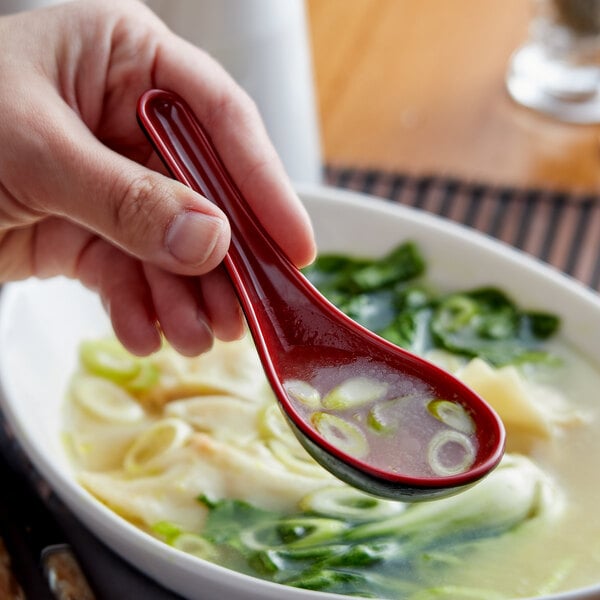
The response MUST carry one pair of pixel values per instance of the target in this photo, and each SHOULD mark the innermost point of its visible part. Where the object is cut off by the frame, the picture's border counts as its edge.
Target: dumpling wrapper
(521, 406)
(206, 466)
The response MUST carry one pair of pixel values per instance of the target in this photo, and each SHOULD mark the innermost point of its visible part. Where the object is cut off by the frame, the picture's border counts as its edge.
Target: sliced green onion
(261, 536)
(354, 392)
(105, 400)
(303, 392)
(302, 464)
(457, 310)
(345, 436)
(307, 531)
(167, 530)
(146, 378)
(348, 503)
(190, 543)
(297, 532)
(155, 442)
(107, 358)
(311, 553)
(452, 414)
(272, 423)
(438, 446)
(384, 417)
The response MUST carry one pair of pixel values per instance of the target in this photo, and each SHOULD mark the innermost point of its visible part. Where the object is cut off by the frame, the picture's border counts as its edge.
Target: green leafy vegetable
(485, 323)
(387, 551)
(226, 515)
(403, 263)
(387, 296)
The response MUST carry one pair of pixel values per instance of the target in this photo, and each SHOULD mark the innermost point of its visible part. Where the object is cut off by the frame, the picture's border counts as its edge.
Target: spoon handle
(189, 154)
(262, 274)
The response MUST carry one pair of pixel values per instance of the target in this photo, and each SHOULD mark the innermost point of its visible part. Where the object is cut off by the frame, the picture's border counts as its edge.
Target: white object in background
(264, 45)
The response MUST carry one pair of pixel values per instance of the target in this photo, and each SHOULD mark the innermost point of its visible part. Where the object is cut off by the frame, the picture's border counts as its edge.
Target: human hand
(82, 193)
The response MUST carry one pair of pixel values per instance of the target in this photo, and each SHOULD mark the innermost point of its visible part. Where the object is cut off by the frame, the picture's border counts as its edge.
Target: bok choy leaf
(389, 553)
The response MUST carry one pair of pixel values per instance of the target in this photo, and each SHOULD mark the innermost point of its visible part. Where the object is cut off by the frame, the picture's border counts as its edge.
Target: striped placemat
(560, 228)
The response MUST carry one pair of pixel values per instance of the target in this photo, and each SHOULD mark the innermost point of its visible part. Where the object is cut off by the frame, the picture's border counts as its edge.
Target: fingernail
(192, 237)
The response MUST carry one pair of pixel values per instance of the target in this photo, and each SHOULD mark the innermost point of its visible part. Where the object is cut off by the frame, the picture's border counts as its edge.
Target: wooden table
(417, 86)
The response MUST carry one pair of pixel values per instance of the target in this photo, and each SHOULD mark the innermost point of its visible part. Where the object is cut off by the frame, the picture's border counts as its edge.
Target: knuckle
(234, 105)
(139, 204)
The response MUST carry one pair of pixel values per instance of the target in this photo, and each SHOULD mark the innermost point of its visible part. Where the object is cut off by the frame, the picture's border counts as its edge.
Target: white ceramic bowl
(41, 323)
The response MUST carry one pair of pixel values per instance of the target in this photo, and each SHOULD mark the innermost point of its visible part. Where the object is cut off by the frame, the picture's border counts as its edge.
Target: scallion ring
(442, 443)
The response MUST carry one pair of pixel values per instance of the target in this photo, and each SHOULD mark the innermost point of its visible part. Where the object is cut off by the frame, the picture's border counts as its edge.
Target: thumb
(145, 213)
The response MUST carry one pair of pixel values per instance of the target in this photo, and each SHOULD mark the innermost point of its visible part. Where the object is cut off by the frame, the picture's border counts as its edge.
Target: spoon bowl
(328, 373)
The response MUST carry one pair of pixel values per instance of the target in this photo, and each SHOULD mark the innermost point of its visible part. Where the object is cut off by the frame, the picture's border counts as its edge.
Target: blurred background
(418, 86)
(415, 87)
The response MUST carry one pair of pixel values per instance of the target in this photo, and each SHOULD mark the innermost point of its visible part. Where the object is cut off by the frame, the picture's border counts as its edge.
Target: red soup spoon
(376, 416)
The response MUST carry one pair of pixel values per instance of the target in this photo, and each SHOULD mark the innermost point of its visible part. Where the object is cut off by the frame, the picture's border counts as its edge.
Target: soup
(196, 453)
(391, 422)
